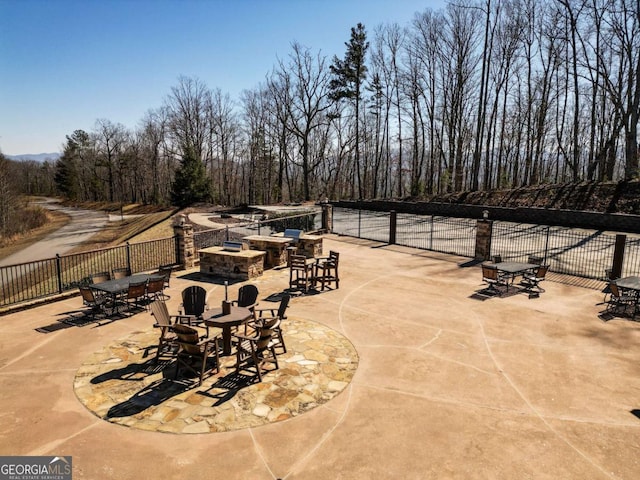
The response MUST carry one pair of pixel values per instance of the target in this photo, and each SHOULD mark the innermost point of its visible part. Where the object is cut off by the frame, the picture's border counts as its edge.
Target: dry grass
(163, 229)
(55, 221)
(150, 226)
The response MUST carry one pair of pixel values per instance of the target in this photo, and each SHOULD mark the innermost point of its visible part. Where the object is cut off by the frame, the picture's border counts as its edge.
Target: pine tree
(349, 76)
(66, 175)
(190, 184)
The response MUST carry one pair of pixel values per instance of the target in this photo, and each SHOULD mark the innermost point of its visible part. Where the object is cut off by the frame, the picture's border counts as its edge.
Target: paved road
(83, 224)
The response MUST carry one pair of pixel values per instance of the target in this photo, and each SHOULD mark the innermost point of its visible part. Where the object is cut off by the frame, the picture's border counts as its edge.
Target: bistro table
(632, 285)
(513, 269)
(217, 318)
(629, 283)
(118, 286)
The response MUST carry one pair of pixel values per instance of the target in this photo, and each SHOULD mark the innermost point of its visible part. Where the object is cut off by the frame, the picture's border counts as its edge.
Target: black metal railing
(208, 238)
(578, 252)
(429, 232)
(571, 251)
(42, 278)
(366, 224)
(440, 234)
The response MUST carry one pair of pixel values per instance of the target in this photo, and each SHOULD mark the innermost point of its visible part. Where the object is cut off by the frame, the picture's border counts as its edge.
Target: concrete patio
(449, 384)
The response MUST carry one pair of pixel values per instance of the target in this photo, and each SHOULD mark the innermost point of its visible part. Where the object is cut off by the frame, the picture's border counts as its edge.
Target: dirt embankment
(621, 197)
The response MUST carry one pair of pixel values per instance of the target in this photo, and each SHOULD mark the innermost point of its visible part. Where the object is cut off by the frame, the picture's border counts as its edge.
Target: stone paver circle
(122, 384)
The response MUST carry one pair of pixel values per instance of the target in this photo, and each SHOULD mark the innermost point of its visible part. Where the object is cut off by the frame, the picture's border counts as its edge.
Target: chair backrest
(334, 257)
(87, 295)
(608, 275)
(298, 262)
(542, 270)
(186, 334)
(247, 295)
(284, 303)
(120, 272)
(614, 289)
(160, 311)
(100, 277)
(156, 284)
(137, 289)
(194, 300)
(265, 332)
(497, 258)
(188, 339)
(535, 259)
(165, 271)
(489, 272)
(191, 348)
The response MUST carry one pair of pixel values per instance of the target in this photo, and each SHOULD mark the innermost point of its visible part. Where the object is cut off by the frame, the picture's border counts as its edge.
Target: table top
(630, 283)
(238, 315)
(118, 285)
(303, 236)
(515, 267)
(221, 251)
(268, 239)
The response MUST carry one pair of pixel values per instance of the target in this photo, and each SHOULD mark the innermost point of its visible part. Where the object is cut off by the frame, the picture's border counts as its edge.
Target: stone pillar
(327, 217)
(185, 243)
(484, 230)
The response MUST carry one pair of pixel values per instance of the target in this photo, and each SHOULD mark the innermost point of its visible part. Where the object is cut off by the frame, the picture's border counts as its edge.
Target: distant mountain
(38, 157)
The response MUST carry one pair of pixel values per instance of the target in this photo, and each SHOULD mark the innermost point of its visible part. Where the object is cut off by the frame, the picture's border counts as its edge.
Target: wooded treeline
(478, 96)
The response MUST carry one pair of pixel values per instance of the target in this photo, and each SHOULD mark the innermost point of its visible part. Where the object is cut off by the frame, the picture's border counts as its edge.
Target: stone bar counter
(275, 248)
(240, 265)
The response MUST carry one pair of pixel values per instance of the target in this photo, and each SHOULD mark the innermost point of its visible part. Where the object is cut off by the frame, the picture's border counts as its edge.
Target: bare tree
(110, 142)
(308, 81)
(152, 137)
(222, 132)
(187, 113)
(459, 59)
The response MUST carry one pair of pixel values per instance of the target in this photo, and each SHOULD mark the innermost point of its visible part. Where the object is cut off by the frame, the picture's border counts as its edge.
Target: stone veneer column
(484, 230)
(186, 246)
(327, 217)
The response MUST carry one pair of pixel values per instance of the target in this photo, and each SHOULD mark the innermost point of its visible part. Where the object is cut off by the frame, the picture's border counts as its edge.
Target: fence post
(430, 232)
(186, 245)
(546, 246)
(393, 223)
(618, 256)
(129, 258)
(484, 231)
(359, 220)
(327, 218)
(59, 272)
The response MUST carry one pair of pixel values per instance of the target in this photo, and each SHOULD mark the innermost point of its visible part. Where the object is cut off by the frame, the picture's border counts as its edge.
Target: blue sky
(66, 63)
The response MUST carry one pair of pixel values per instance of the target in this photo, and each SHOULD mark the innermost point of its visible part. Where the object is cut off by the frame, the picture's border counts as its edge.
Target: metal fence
(236, 232)
(429, 232)
(39, 279)
(361, 224)
(571, 251)
(578, 252)
(439, 234)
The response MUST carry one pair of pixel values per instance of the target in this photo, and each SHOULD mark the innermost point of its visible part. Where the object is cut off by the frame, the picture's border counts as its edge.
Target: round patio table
(237, 316)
